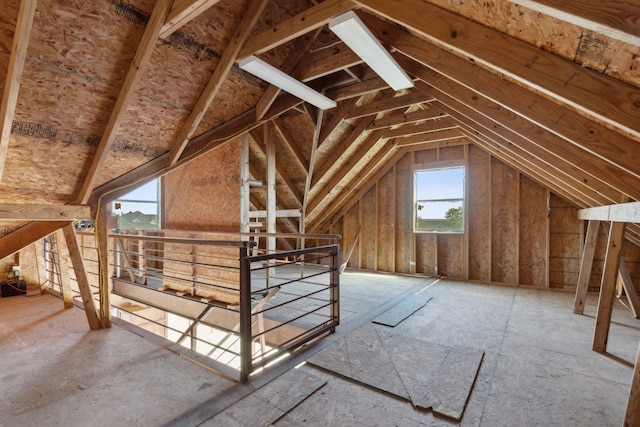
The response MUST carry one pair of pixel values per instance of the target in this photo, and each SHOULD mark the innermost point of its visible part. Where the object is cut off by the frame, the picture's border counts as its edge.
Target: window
(439, 200)
(139, 209)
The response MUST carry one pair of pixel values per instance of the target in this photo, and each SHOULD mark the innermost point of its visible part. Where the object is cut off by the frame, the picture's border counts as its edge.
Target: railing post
(335, 288)
(245, 316)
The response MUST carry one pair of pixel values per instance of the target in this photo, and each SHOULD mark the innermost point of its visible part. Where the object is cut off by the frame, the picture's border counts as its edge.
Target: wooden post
(244, 184)
(632, 416)
(63, 266)
(270, 141)
(608, 286)
(585, 266)
(102, 243)
(81, 276)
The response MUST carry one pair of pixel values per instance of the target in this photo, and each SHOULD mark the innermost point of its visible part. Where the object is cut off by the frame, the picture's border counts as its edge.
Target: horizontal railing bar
(243, 234)
(187, 241)
(331, 249)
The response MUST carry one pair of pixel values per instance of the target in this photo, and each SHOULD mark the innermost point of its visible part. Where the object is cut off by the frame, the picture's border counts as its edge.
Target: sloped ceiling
(99, 96)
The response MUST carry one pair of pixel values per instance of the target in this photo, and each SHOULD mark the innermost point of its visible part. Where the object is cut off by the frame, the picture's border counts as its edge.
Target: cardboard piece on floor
(402, 310)
(448, 393)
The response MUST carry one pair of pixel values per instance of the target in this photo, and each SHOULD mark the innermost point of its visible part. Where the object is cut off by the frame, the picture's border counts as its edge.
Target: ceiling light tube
(363, 43)
(271, 74)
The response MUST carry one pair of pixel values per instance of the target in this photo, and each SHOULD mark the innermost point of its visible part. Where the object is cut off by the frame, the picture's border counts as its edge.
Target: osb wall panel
(564, 243)
(450, 256)
(426, 253)
(385, 222)
(533, 233)
(368, 230)
(205, 194)
(504, 223)
(404, 214)
(479, 214)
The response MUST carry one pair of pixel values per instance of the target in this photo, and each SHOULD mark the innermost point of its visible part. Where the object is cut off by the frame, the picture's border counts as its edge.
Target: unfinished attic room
(319, 213)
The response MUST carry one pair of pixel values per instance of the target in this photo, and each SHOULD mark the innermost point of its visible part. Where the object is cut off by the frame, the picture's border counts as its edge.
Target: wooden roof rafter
(219, 76)
(17, 58)
(136, 69)
(594, 95)
(183, 12)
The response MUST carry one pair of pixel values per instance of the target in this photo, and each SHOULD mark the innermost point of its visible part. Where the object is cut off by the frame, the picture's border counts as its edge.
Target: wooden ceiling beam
(354, 160)
(595, 95)
(291, 144)
(356, 90)
(216, 81)
(378, 166)
(14, 74)
(42, 212)
(401, 117)
(584, 166)
(26, 235)
(567, 124)
(431, 137)
(388, 104)
(325, 61)
(183, 12)
(136, 70)
(337, 118)
(309, 20)
(421, 129)
(614, 18)
(302, 46)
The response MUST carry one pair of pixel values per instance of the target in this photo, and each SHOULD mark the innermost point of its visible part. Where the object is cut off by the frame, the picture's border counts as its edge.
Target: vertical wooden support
(63, 265)
(244, 184)
(547, 243)
(270, 141)
(632, 415)
(465, 237)
(81, 276)
(586, 263)
(608, 286)
(102, 229)
(412, 243)
(632, 295)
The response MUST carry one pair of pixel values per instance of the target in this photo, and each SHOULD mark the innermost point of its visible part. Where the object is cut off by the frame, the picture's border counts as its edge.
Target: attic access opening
(439, 200)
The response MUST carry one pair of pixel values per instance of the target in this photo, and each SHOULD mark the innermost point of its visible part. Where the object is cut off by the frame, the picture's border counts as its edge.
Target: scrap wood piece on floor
(270, 403)
(402, 310)
(448, 393)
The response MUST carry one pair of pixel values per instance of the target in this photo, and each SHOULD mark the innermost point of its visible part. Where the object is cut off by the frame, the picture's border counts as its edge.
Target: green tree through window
(439, 200)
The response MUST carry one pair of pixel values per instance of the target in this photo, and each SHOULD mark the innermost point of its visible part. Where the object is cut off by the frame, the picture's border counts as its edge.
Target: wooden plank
(271, 93)
(632, 414)
(63, 269)
(324, 62)
(356, 90)
(586, 264)
(216, 81)
(136, 70)
(183, 12)
(291, 144)
(426, 139)
(448, 393)
(400, 117)
(424, 128)
(81, 276)
(608, 287)
(402, 310)
(41, 212)
(309, 20)
(336, 119)
(598, 96)
(26, 235)
(14, 73)
(622, 212)
(629, 289)
(614, 18)
(388, 104)
(102, 232)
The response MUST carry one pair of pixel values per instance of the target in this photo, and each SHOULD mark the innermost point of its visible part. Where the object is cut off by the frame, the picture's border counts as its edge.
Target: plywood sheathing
(593, 50)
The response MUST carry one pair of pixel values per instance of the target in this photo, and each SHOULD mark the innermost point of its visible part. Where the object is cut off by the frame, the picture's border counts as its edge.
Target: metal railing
(221, 296)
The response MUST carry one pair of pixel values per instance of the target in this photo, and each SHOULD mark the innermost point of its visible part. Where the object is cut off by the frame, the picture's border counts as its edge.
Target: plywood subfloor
(538, 367)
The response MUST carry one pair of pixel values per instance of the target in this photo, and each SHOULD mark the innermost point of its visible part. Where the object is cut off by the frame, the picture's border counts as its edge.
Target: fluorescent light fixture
(271, 74)
(363, 43)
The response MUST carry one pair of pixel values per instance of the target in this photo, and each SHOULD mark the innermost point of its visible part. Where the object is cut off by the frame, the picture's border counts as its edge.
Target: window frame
(435, 167)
